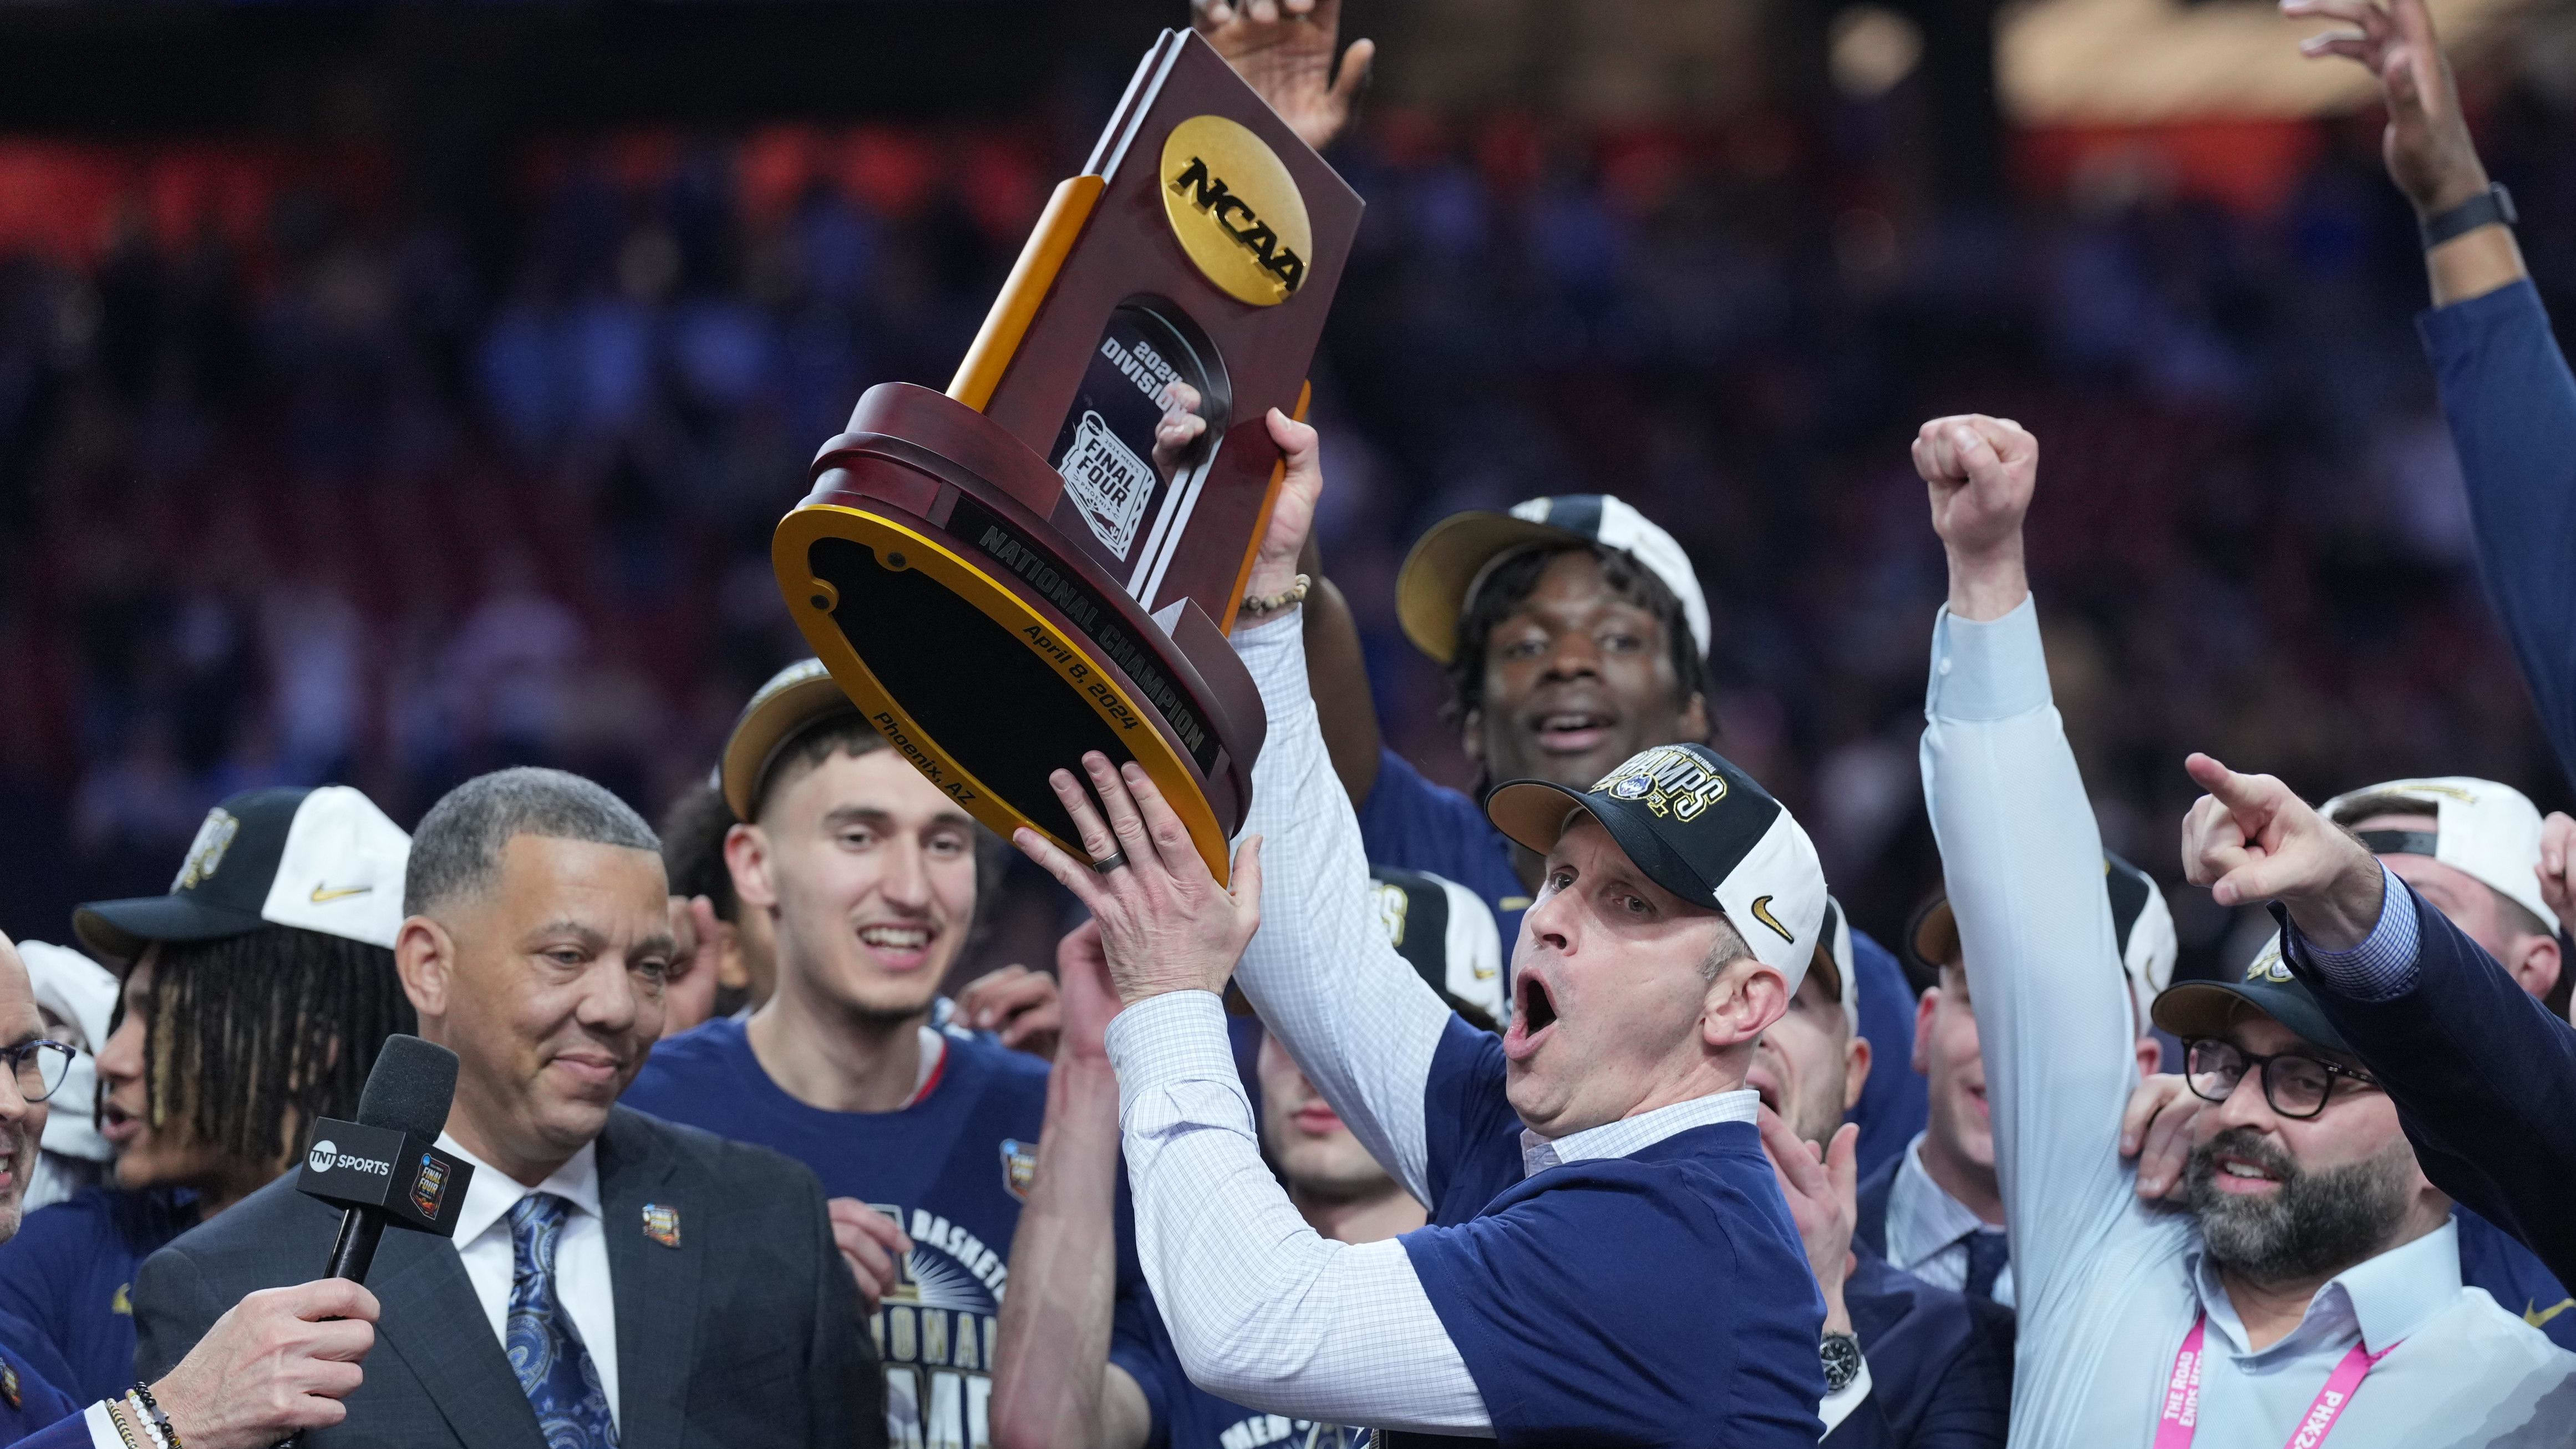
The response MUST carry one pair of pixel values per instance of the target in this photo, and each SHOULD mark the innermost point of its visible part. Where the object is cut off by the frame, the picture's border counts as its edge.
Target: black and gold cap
(796, 698)
(1700, 828)
(324, 859)
(2268, 988)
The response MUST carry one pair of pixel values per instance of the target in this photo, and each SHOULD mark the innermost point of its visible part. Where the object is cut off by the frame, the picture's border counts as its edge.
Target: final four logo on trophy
(1012, 573)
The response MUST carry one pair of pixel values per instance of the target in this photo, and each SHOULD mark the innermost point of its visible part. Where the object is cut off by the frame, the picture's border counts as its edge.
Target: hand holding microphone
(276, 1364)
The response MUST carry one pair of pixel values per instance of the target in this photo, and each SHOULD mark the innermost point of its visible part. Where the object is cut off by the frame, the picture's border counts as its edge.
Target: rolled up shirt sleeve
(1263, 1310)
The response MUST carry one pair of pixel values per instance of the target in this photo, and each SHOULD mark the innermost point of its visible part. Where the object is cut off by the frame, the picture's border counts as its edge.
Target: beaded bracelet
(1256, 604)
(124, 1431)
(160, 1421)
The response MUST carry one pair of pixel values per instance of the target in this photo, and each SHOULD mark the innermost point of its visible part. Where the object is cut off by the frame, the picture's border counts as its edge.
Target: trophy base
(989, 651)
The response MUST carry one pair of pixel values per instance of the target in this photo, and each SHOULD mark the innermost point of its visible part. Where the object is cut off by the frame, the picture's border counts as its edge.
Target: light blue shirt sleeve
(2383, 966)
(2023, 860)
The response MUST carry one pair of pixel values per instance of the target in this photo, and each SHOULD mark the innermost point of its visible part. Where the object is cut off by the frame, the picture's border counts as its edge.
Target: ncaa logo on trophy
(1009, 574)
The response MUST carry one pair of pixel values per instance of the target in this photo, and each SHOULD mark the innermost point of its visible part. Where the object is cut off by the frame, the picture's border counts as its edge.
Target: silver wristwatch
(1841, 1353)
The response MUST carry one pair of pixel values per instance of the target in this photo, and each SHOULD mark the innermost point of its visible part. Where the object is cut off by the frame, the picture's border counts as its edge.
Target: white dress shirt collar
(2387, 1297)
(1632, 1134)
(492, 1193)
(1922, 1217)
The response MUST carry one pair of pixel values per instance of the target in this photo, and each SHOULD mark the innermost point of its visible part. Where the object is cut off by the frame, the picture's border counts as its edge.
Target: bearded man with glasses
(2310, 1293)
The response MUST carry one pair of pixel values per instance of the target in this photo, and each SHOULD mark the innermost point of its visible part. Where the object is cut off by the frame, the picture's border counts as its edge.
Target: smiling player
(924, 1136)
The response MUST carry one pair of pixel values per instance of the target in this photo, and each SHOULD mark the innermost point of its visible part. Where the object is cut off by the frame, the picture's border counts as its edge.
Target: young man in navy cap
(256, 994)
(1610, 1259)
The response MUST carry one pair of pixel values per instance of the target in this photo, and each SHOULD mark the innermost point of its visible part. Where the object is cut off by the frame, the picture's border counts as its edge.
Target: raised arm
(1053, 1384)
(2506, 390)
(1357, 1018)
(1261, 1309)
(2023, 860)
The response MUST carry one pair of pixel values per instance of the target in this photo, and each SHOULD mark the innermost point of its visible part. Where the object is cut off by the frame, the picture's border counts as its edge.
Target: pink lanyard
(2181, 1417)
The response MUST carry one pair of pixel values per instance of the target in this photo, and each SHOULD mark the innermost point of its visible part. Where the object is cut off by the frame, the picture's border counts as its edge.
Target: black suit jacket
(2484, 1079)
(1940, 1363)
(747, 1333)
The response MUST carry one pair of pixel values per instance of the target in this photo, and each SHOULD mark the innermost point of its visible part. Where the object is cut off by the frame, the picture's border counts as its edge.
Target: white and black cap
(2487, 831)
(1448, 934)
(1833, 967)
(1700, 828)
(324, 859)
(1444, 569)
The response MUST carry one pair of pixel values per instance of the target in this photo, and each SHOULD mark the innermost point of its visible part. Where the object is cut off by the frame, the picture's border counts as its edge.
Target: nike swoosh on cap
(1762, 913)
(323, 895)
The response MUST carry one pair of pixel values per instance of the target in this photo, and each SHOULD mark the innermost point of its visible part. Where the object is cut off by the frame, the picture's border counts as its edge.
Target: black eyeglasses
(2296, 1086)
(39, 1066)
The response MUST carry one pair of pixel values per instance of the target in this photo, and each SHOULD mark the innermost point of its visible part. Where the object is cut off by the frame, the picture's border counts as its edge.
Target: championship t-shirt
(1657, 1298)
(69, 1276)
(953, 1168)
(1414, 824)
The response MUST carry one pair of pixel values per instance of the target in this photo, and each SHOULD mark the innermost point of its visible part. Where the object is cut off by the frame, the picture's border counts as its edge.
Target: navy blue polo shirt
(1658, 1298)
(69, 1276)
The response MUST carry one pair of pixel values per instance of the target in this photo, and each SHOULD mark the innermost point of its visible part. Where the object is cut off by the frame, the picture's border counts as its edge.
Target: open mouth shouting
(1533, 1015)
(1573, 730)
(898, 945)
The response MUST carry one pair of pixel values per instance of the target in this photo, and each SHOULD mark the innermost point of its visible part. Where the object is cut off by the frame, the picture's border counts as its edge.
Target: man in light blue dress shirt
(2350, 1328)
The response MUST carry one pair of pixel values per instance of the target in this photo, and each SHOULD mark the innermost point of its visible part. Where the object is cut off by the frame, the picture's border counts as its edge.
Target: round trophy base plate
(989, 653)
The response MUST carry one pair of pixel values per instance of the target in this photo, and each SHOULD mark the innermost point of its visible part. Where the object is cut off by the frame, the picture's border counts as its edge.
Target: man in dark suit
(2483, 1076)
(1933, 1366)
(614, 1279)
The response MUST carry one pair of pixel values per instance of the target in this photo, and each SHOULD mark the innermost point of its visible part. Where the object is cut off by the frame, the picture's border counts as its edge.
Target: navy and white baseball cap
(1444, 569)
(2487, 831)
(1447, 932)
(1700, 828)
(324, 859)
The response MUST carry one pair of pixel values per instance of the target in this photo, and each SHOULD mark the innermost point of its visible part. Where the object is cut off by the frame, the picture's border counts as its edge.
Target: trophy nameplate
(1007, 575)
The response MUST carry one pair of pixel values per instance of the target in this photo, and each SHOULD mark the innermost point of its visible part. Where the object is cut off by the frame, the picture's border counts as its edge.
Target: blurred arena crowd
(302, 479)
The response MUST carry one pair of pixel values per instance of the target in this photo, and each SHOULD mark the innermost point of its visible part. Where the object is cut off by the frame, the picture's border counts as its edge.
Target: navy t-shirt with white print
(1657, 1298)
(953, 1168)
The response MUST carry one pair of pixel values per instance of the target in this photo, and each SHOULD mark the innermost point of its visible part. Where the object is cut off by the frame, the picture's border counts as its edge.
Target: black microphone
(386, 1168)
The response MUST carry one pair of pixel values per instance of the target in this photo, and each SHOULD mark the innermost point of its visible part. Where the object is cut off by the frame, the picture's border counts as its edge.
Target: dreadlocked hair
(248, 1039)
(1509, 585)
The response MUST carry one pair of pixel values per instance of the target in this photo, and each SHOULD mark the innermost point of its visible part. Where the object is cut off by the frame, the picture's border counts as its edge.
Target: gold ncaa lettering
(1235, 210)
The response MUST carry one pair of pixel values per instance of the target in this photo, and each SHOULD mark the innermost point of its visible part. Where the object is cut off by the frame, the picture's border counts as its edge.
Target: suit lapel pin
(662, 1224)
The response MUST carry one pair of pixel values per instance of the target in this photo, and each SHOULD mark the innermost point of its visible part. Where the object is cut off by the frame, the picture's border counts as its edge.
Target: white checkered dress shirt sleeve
(1354, 1014)
(1263, 1310)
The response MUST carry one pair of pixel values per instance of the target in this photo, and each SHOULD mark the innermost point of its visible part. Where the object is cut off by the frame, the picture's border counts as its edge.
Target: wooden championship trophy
(1007, 575)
